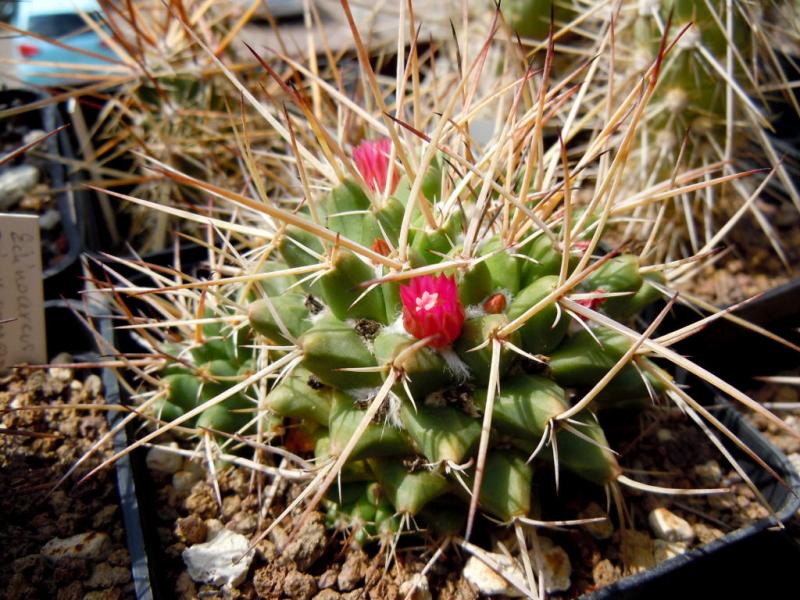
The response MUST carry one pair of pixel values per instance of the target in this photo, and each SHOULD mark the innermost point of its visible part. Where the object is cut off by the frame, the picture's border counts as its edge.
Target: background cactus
(721, 91)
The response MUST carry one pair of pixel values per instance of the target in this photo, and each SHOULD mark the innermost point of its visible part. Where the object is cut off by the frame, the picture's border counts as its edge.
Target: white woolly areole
(455, 364)
(314, 318)
(363, 394)
(474, 311)
(391, 404)
(396, 326)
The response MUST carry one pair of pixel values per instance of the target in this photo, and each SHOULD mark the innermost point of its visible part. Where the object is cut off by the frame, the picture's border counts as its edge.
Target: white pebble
(90, 545)
(670, 527)
(221, 561)
(162, 460)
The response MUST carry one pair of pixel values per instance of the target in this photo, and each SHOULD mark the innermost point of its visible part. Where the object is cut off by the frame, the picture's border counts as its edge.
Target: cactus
(433, 326)
(709, 106)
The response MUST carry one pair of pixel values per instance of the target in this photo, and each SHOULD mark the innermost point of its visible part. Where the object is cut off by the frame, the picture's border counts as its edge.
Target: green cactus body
(441, 518)
(290, 309)
(167, 411)
(622, 308)
(183, 390)
(503, 268)
(353, 471)
(592, 461)
(377, 440)
(408, 492)
(432, 181)
(297, 396)
(543, 331)
(440, 433)
(275, 286)
(531, 18)
(545, 260)
(293, 244)
(345, 207)
(391, 298)
(506, 486)
(524, 406)
(390, 217)
(211, 350)
(628, 390)
(582, 361)
(474, 332)
(425, 368)
(429, 247)
(475, 281)
(342, 292)
(224, 418)
(331, 345)
(217, 377)
(618, 274)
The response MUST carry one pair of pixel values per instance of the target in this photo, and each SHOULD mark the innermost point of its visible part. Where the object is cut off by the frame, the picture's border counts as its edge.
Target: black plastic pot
(66, 333)
(756, 559)
(738, 354)
(63, 278)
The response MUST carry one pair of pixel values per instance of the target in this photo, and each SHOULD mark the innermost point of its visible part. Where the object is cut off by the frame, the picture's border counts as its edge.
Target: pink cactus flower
(431, 308)
(372, 161)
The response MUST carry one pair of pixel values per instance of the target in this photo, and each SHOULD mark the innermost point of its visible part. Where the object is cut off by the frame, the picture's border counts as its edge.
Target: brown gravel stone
(604, 573)
(268, 581)
(353, 570)
(109, 594)
(300, 586)
(636, 549)
(201, 501)
(230, 506)
(106, 576)
(191, 529)
(327, 579)
(706, 533)
(68, 569)
(72, 591)
(185, 588)
(309, 544)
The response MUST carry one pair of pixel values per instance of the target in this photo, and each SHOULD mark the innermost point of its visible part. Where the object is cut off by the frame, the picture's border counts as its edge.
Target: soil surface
(752, 266)
(67, 543)
(660, 447)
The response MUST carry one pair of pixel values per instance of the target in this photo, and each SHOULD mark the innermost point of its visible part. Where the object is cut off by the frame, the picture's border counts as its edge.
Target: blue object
(40, 63)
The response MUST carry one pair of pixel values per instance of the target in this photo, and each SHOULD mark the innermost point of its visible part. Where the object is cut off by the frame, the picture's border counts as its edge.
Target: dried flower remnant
(372, 161)
(431, 308)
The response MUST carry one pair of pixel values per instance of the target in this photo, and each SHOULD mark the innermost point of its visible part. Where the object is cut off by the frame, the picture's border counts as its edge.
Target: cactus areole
(431, 308)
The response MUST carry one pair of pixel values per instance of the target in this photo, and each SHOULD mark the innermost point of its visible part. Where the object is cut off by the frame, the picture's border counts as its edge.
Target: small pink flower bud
(372, 161)
(431, 308)
(593, 303)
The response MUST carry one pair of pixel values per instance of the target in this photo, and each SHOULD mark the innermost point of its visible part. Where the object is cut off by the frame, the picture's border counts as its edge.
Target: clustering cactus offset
(433, 326)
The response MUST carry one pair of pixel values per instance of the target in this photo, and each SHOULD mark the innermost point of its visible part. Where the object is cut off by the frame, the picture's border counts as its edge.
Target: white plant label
(22, 335)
